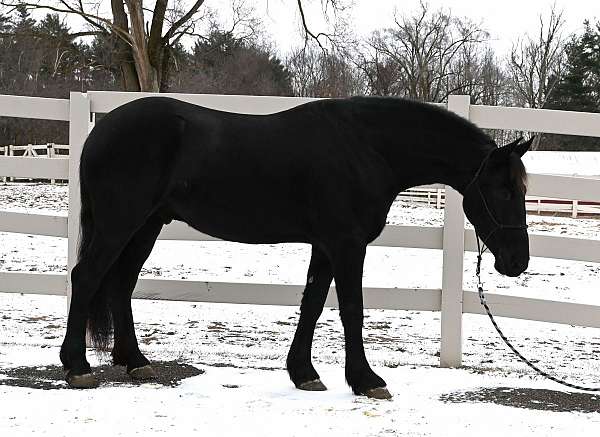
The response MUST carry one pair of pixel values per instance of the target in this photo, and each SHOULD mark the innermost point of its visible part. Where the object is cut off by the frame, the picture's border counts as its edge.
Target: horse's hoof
(143, 373)
(87, 380)
(378, 393)
(314, 385)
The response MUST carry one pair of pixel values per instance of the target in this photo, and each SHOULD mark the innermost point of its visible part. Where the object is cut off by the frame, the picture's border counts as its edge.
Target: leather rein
(481, 248)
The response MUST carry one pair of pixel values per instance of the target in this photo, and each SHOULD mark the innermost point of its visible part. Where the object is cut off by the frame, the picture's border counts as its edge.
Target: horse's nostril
(518, 264)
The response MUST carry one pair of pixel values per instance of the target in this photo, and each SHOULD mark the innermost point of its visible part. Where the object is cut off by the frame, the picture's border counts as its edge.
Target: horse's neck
(437, 156)
(429, 163)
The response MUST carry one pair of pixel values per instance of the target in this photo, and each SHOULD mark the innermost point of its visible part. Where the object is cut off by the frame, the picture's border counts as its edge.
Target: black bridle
(481, 250)
(497, 225)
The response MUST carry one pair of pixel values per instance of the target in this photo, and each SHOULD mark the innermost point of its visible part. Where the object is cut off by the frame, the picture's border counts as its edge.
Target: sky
(506, 20)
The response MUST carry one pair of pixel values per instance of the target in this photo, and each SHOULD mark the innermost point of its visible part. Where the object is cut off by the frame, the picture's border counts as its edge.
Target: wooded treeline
(425, 56)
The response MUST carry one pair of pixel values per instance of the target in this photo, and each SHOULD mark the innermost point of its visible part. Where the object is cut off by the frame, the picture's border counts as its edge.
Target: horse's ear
(515, 147)
(501, 154)
(520, 149)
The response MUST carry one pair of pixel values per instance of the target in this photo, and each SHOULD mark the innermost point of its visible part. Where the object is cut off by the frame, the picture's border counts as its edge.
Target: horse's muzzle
(511, 266)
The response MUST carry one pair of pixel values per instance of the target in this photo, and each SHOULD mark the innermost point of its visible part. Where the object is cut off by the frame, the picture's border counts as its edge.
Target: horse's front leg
(299, 365)
(348, 261)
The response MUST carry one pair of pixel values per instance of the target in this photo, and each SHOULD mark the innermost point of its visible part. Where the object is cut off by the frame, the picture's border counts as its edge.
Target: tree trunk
(129, 78)
(146, 72)
(165, 70)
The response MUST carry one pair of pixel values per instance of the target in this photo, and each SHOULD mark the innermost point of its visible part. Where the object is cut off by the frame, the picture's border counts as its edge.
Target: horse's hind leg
(86, 279)
(119, 284)
(299, 365)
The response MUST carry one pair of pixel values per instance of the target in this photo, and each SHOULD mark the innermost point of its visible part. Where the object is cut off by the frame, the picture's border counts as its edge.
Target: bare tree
(143, 50)
(145, 37)
(318, 73)
(476, 71)
(337, 36)
(493, 81)
(381, 73)
(424, 48)
(535, 65)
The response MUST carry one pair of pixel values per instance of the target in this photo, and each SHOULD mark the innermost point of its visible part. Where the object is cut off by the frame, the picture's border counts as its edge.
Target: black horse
(323, 173)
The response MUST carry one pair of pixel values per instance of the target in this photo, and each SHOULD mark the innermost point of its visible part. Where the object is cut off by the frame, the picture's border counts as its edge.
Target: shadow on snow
(170, 374)
(529, 398)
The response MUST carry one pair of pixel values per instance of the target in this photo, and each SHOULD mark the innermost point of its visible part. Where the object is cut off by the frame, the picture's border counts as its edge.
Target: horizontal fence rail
(549, 246)
(452, 301)
(539, 310)
(106, 101)
(33, 224)
(279, 294)
(34, 283)
(548, 121)
(564, 187)
(34, 107)
(34, 168)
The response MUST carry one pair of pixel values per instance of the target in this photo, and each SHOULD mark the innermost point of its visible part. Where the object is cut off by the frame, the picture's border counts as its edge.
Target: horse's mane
(518, 174)
(476, 134)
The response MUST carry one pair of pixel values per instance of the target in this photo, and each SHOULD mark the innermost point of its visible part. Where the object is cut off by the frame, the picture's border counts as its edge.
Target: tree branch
(189, 14)
(308, 33)
(70, 10)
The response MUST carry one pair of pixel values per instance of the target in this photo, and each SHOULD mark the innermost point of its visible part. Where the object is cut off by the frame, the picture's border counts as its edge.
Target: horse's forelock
(518, 174)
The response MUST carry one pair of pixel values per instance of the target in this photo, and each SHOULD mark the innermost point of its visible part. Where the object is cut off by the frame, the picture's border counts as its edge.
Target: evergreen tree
(224, 63)
(579, 89)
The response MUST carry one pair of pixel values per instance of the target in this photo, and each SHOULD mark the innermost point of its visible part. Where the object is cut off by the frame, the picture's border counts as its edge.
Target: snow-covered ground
(244, 389)
(241, 349)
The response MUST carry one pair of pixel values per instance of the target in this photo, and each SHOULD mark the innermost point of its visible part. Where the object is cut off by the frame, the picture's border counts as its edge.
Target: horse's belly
(242, 220)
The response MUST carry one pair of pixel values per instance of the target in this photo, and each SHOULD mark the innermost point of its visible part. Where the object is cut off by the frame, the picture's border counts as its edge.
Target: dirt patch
(170, 374)
(530, 398)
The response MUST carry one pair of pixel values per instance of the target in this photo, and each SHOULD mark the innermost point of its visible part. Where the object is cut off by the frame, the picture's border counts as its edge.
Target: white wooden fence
(436, 197)
(431, 196)
(32, 151)
(452, 300)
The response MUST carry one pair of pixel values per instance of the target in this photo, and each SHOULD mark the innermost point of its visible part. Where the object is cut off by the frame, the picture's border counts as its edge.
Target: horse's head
(494, 202)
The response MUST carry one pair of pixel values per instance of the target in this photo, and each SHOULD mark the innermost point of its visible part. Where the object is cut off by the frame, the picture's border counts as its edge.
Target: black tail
(99, 323)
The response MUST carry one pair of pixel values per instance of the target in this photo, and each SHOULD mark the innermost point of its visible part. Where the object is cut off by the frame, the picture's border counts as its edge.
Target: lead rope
(503, 337)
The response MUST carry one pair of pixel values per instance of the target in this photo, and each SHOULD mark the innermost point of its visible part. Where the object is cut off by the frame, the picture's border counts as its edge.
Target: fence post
(452, 274)
(4, 179)
(50, 154)
(574, 212)
(11, 152)
(79, 118)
